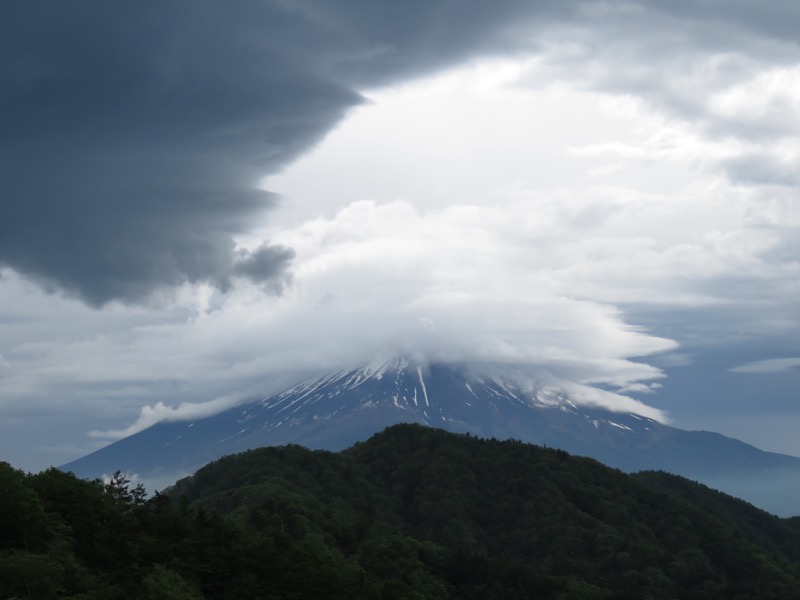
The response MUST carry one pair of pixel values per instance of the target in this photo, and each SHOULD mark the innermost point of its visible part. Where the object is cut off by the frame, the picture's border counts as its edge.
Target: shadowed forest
(412, 512)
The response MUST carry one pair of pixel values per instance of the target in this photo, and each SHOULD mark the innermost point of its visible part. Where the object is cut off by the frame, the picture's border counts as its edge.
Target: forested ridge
(413, 512)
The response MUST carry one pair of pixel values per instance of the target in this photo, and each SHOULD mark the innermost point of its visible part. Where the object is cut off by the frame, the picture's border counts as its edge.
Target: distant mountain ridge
(334, 411)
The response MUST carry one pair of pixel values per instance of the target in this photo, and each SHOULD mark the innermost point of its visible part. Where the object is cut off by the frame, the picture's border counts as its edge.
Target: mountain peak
(338, 409)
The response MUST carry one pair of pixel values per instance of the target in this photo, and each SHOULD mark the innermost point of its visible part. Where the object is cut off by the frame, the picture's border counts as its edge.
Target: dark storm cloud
(775, 19)
(386, 40)
(133, 135)
(263, 265)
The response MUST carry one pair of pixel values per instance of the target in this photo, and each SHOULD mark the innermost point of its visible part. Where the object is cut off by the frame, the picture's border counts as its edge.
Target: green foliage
(778, 536)
(23, 522)
(29, 575)
(411, 513)
(499, 517)
(164, 584)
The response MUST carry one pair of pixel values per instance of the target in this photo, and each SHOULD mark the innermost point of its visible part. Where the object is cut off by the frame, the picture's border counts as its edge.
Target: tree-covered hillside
(498, 516)
(411, 513)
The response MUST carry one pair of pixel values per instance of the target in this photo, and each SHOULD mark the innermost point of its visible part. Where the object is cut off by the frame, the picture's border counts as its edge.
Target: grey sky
(593, 190)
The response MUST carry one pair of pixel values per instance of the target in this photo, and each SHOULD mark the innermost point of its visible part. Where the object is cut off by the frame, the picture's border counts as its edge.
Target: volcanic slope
(334, 411)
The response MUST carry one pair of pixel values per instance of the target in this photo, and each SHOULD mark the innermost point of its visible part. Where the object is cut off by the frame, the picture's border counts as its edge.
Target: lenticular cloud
(465, 284)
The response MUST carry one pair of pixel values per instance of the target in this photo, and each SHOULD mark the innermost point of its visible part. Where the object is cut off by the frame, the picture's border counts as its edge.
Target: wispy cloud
(186, 411)
(768, 366)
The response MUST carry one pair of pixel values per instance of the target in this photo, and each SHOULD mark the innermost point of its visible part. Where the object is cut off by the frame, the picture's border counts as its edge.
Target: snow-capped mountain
(339, 409)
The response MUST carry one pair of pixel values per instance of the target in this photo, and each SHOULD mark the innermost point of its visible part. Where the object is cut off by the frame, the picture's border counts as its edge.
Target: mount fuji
(339, 409)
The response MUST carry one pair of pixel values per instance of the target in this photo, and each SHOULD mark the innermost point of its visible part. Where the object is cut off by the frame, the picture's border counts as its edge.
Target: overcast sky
(200, 201)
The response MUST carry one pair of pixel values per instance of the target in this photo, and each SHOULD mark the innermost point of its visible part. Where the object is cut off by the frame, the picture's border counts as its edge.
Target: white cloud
(591, 396)
(463, 283)
(769, 99)
(186, 411)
